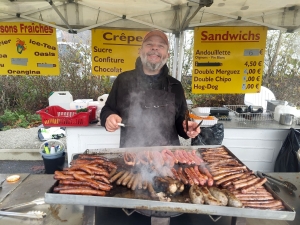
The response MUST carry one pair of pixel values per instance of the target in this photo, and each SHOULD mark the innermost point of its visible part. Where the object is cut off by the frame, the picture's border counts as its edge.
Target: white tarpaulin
(168, 15)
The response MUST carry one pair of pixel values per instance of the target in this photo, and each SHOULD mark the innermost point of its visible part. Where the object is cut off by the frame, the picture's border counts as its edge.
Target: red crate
(56, 116)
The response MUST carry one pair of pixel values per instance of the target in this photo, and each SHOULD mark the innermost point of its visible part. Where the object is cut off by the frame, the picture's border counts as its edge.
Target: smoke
(149, 125)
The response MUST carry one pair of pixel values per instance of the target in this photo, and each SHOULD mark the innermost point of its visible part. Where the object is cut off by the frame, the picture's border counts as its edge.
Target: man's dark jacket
(129, 82)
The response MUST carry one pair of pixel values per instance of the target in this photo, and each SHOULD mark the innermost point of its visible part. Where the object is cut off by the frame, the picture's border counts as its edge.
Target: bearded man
(149, 101)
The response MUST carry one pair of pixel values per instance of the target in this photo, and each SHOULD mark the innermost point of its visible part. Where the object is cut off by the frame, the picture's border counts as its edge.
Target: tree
(282, 65)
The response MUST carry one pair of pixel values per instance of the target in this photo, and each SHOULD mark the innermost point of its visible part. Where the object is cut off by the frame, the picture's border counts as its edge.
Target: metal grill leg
(89, 215)
(160, 220)
(238, 221)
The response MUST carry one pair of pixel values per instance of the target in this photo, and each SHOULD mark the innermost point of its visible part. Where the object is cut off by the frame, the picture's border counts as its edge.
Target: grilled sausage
(189, 160)
(82, 168)
(201, 180)
(83, 192)
(190, 177)
(74, 182)
(184, 160)
(178, 157)
(127, 179)
(246, 183)
(63, 177)
(95, 168)
(64, 187)
(243, 180)
(205, 171)
(112, 172)
(115, 177)
(262, 205)
(145, 184)
(222, 175)
(99, 185)
(182, 176)
(70, 172)
(119, 181)
(151, 190)
(256, 185)
(92, 156)
(227, 178)
(175, 174)
(170, 153)
(135, 182)
(129, 184)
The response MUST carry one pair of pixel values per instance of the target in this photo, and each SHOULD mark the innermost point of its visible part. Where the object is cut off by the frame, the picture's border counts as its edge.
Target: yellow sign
(228, 59)
(115, 51)
(28, 49)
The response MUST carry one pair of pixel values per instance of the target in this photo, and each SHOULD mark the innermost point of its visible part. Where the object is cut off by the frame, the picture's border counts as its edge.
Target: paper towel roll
(102, 99)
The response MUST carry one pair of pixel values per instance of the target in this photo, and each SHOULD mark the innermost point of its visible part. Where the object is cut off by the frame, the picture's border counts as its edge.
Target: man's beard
(153, 66)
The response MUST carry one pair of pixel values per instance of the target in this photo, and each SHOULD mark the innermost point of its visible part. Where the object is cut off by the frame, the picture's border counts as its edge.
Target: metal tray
(140, 204)
(249, 117)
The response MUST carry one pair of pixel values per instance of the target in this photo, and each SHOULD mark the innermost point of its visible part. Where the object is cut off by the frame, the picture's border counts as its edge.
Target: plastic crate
(56, 116)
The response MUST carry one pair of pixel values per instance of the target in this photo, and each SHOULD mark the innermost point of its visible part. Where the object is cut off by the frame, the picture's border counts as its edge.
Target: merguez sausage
(99, 185)
(64, 187)
(82, 192)
(182, 176)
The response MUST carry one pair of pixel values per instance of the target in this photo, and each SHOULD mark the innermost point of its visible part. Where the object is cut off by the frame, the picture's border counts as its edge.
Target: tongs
(2, 183)
(30, 214)
(273, 186)
(187, 118)
(38, 201)
(286, 184)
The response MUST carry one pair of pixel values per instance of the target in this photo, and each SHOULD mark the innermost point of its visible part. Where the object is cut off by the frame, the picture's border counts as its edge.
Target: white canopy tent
(172, 16)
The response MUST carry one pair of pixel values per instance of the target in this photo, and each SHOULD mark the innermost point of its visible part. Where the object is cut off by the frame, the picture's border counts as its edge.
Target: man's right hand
(111, 122)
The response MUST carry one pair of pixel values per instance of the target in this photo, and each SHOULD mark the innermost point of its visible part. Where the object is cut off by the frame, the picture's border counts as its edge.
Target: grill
(164, 209)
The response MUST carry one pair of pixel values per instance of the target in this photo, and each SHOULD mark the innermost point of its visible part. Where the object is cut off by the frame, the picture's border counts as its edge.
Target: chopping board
(9, 187)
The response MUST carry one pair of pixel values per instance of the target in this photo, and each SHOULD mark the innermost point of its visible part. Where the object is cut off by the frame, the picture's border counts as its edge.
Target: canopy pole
(62, 18)
(180, 57)
(174, 68)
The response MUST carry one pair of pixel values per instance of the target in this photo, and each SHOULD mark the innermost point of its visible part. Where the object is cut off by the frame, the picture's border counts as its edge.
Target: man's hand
(111, 122)
(192, 132)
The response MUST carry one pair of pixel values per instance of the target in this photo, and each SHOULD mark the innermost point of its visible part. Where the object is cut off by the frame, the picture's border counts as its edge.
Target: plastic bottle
(52, 150)
(46, 148)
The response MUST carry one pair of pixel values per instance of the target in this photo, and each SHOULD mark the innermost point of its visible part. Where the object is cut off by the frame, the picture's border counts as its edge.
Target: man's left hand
(192, 132)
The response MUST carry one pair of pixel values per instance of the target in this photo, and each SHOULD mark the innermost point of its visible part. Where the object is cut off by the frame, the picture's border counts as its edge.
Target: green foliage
(18, 119)
(22, 96)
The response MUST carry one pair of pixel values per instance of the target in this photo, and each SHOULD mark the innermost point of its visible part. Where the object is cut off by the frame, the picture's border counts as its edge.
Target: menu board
(115, 51)
(228, 59)
(28, 49)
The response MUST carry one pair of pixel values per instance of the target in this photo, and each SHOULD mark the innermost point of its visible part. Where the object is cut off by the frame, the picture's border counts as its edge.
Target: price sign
(228, 59)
